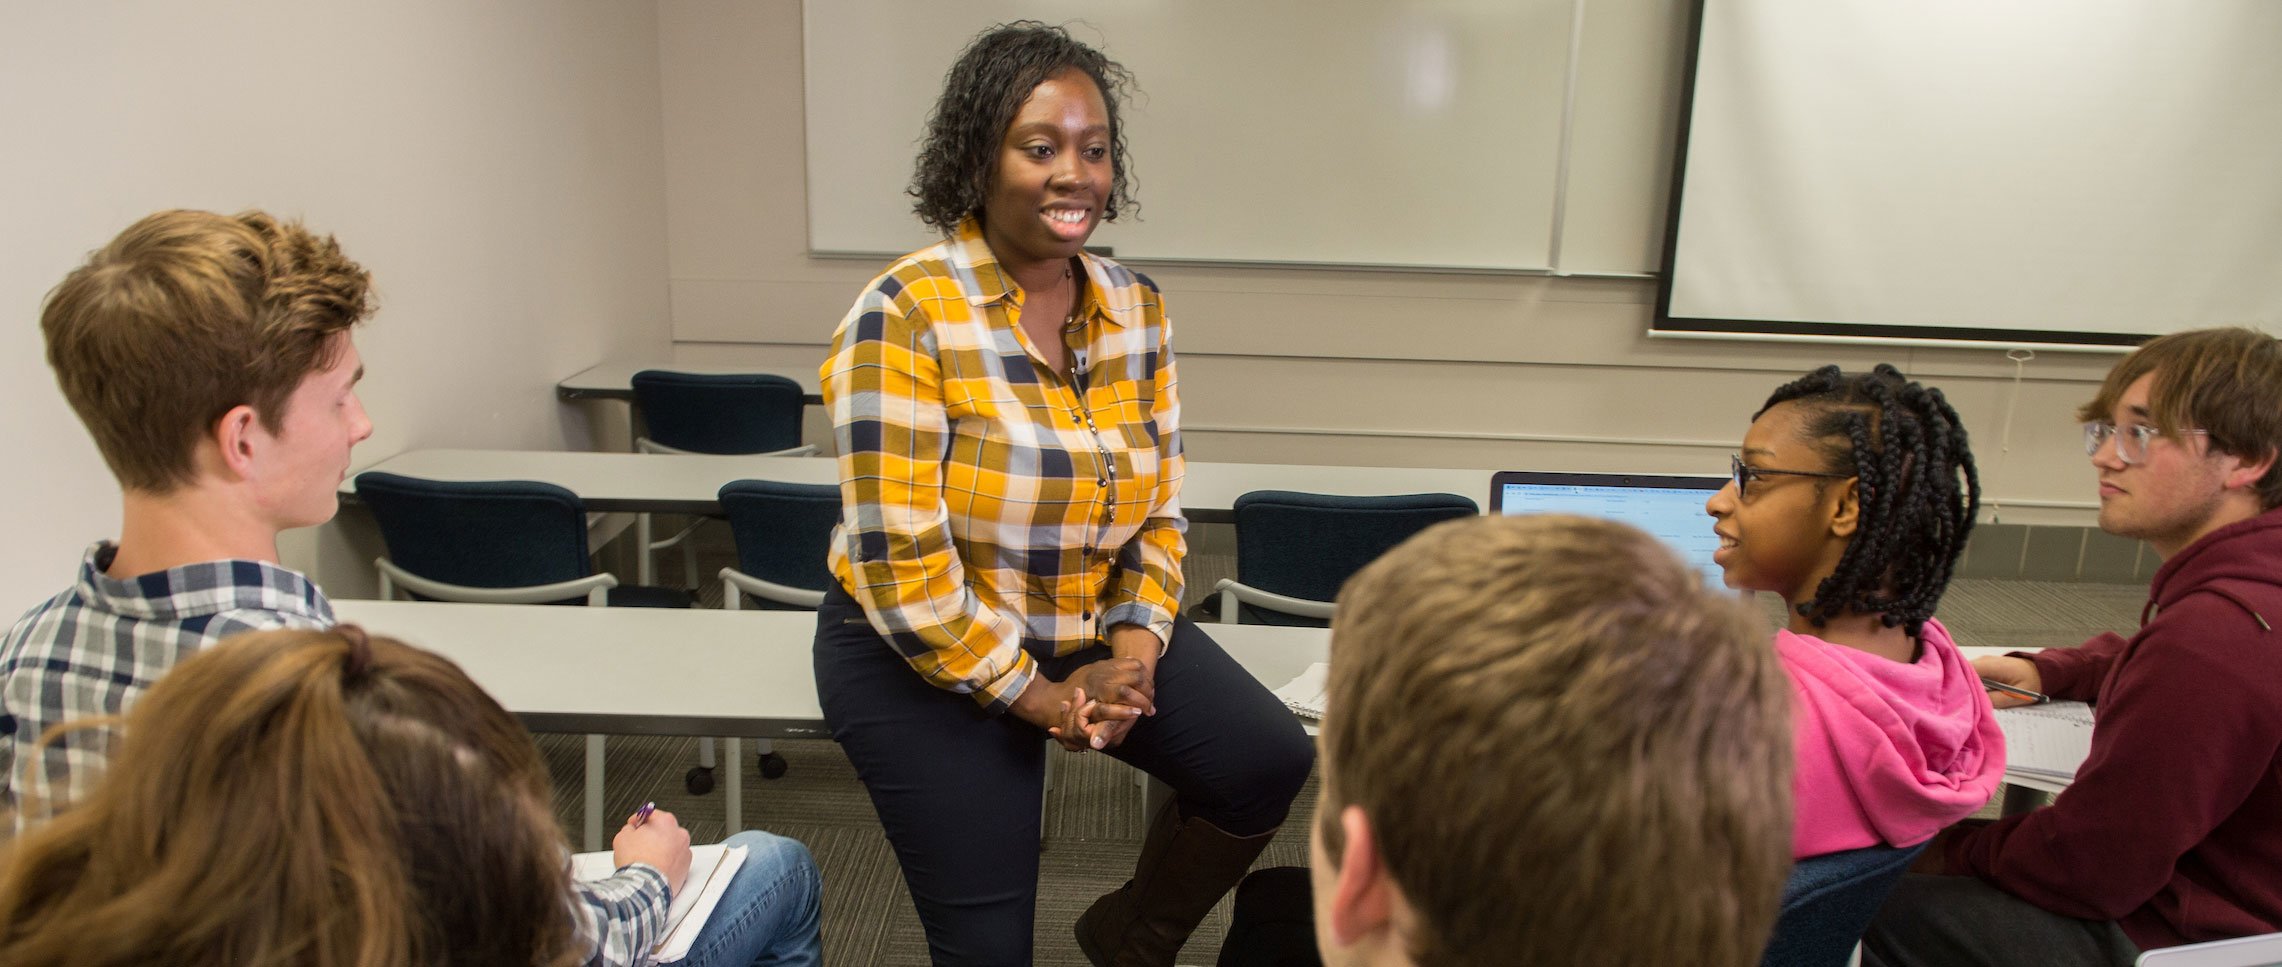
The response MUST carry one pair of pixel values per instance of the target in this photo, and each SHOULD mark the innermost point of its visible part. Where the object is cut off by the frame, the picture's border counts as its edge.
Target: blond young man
(209, 357)
(2172, 830)
(1548, 743)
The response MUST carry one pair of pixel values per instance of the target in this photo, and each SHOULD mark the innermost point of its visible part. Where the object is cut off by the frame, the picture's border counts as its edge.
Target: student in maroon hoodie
(2172, 831)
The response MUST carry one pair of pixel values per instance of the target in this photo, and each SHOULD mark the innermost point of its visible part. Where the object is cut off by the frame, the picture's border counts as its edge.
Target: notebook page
(1308, 693)
(710, 870)
(2048, 740)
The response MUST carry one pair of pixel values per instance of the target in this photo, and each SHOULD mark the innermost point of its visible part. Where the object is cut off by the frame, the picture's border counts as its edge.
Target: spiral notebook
(1308, 693)
(710, 870)
(2050, 740)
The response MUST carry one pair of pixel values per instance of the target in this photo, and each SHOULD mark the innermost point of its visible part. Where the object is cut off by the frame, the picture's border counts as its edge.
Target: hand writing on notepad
(659, 841)
(2017, 672)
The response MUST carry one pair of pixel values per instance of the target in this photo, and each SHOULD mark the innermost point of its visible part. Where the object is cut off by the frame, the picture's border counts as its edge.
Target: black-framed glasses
(2131, 441)
(1744, 473)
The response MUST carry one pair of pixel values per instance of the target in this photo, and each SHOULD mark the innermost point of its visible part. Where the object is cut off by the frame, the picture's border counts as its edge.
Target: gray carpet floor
(1093, 820)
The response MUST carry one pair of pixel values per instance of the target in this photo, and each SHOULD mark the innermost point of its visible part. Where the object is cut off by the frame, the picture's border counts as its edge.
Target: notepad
(1309, 693)
(2050, 740)
(710, 870)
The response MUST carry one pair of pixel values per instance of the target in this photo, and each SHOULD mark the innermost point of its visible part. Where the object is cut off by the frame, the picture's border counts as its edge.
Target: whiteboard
(2031, 171)
(1411, 133)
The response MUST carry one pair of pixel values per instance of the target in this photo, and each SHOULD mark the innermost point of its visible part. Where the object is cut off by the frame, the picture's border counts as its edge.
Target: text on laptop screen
(1675, 515)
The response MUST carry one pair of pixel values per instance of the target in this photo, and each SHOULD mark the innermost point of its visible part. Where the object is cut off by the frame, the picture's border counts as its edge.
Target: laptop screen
(1671, 507)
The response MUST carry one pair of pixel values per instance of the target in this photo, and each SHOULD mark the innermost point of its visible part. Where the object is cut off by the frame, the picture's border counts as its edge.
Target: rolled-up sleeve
(621, 918)
(1149, 566)
(884, 387)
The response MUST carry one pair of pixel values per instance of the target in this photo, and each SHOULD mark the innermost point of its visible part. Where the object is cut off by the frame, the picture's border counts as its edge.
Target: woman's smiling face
(1049, 187)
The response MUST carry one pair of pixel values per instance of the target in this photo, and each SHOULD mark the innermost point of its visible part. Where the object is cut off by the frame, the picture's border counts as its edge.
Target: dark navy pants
(959, 791)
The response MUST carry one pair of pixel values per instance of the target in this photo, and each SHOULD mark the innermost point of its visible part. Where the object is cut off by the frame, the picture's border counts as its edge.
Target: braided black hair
(1918, 488)
(981, 93)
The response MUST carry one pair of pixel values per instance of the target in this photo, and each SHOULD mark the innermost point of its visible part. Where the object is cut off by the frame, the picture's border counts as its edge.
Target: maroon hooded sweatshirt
(2173, 826)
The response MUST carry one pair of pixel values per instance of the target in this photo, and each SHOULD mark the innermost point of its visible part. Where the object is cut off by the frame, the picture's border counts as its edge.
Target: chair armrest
(1232, 591)
(593, 588)
(734, 581)
(678, 538)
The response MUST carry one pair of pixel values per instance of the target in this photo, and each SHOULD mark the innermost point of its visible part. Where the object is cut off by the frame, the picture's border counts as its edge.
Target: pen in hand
(2034, 698)
(642, 815)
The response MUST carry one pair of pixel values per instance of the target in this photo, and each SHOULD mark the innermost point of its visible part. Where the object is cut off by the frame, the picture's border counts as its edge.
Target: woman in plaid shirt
(1009, 553)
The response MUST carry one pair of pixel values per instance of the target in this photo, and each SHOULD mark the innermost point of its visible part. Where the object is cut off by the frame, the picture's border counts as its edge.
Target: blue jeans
(771, 912)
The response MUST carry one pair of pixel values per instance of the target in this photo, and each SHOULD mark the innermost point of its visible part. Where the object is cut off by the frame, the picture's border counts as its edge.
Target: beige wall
(541, 185)
(1388, 368)
(497, 165)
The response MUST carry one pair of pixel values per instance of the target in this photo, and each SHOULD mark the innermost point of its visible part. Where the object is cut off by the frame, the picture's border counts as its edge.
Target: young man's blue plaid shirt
(90, 651)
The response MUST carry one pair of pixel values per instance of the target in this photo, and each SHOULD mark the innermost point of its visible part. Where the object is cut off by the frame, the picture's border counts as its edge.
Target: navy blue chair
(1294, 550)
(747, 414)
(782, 532)
(492, 542)
(741, 413)
(1828, 903)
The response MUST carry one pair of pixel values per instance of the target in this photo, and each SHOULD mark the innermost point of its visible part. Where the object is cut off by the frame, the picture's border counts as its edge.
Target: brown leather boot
(1186, 866)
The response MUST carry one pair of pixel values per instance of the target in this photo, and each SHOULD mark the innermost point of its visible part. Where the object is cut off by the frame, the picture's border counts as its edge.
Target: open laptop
(1670, 506)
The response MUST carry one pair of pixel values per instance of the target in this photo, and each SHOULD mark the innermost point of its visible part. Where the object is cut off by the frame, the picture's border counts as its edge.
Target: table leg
(733, 772)
(593, 793)
(644, 569)
(1153, 800)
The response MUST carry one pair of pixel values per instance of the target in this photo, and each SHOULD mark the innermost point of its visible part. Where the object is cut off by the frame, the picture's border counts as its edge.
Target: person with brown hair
(2171, 832)
(308, 797)
(210, 357)
(1546, 742)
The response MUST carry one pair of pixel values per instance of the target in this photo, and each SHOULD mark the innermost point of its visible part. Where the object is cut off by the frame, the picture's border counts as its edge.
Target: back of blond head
(307, 798)
(1569, 750)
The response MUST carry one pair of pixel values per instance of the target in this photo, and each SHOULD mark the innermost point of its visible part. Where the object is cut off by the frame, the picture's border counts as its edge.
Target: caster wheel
(773, 766)
(698, 781)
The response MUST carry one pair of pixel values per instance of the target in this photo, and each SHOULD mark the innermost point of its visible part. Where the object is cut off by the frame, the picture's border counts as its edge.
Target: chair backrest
(725, 413)
(783, 530)
(1828, 903)
(1307, 545)
(487, 534)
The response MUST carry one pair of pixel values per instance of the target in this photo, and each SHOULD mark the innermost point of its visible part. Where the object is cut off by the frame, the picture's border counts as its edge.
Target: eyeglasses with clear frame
(2131, 441)
(1744, 473)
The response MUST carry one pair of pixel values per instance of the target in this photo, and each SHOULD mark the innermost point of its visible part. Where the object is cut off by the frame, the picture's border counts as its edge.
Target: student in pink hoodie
(1852, 498)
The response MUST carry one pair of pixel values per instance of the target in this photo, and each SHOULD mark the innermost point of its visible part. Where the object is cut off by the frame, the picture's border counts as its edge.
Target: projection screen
(2031, 172)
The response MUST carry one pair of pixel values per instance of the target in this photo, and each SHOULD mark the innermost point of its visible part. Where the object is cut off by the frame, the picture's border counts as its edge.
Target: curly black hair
(1919, 490)
(981, 92)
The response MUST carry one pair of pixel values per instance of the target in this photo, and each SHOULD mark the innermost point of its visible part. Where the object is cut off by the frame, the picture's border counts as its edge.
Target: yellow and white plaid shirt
(988, 506)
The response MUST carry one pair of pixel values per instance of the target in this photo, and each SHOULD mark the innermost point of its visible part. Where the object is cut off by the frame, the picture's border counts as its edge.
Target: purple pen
(642, 815)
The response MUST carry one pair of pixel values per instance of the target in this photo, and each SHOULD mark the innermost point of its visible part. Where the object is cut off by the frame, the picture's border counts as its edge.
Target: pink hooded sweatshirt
(1887, 753)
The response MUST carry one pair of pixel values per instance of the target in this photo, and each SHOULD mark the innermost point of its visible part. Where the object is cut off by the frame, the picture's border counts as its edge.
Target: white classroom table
(693, 672)
(689, 483)
(614, 380)
(702, 672)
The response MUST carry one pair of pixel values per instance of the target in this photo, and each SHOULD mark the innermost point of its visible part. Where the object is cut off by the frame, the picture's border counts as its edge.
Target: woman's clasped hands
(1095, 706)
